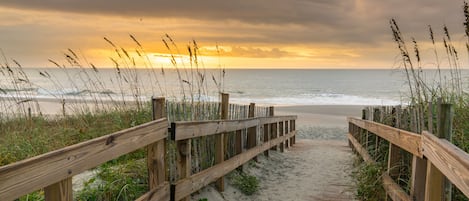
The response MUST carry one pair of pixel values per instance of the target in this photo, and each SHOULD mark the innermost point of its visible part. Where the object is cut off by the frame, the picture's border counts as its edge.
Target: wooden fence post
(281, 133)
(184, 162)
(184, 165)
(291, 130)
(220, 142)
(377, 118)
(394, 154)
(437, 186)
(419, 166)
(252, 132)
(367, 133)
(156, 152)
(274, 134)
(238, 142)
(286, 132)
(60, 191)
(294, 128)
(267, 130)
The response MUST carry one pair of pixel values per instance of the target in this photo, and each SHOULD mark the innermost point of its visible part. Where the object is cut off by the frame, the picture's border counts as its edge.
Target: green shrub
(369, 182)
(126, 181)
(248, 184)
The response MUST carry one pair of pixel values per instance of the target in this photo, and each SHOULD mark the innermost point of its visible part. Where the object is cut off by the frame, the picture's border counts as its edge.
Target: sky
(232, 34)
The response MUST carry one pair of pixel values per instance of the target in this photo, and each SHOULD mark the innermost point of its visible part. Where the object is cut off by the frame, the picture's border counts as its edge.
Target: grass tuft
(246, 183)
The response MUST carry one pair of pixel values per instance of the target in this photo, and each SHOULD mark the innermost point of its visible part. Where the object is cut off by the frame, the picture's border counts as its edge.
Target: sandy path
(317, 167)
(310, 170)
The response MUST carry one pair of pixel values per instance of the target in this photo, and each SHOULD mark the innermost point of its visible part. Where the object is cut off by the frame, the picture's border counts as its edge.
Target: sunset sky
(250, 34)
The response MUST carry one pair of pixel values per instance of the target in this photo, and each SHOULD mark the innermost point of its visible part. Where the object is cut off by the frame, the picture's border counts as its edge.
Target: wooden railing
(428, 151)
(276, 132)
(53, 171)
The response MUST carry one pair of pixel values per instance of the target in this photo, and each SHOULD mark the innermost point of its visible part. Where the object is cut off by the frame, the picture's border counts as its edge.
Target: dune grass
(447, 85)
(111, 105)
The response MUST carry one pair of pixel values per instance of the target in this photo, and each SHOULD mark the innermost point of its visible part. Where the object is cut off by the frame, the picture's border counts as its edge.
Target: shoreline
(321, 115)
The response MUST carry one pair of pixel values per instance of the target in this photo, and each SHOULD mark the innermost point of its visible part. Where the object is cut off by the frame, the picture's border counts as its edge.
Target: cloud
(248, 52)
(245, 26)
(315, 20)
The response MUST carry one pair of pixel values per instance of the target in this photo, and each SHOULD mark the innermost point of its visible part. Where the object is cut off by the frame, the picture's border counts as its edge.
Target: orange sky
(249, 34)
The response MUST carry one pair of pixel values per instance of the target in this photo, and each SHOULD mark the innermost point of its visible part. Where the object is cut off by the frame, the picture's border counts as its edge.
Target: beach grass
(24, 138)
(27, 132)
(443, 88)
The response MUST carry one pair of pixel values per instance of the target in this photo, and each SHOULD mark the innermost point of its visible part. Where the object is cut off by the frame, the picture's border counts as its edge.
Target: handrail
(449, 159)
(51, 168)
(41, 171)
(193, 129)
(452, 161)
(408, 141)
(195, 182)
(278, 130)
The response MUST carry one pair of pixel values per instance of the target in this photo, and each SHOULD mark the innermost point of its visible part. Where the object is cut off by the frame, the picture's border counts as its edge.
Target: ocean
(317, 87)
(262, 86)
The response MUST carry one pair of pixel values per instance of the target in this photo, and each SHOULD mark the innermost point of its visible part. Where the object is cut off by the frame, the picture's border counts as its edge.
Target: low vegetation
(369, 182)
(246, 183)
(24, 138)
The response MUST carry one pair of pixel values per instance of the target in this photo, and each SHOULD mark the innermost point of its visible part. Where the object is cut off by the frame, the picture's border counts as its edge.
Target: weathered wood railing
(182, 132)
(53, 171)
(428, 150)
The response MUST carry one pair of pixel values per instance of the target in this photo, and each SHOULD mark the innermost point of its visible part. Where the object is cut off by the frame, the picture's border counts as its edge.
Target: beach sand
(317, 167)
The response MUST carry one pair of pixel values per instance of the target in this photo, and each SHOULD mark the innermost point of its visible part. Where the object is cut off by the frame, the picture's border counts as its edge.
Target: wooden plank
(238, 142)
(192, 129)
(358, 148)
(252, 131)
(449, 159)
(418, 178)
(268, 130)
(394, 157)
(294, 128)
(156, 163)
(266, 137)
(393, 190)
(184, 165)
(156, 151)
(197, 181)
(35, 173)
(408, 141)
(220, 143)
(445, 127)
(287, 131)
(60, 191)
(281, 132)
(274, 133)
(270, 120)
(159, 193)
(187, 130)
(434, 186)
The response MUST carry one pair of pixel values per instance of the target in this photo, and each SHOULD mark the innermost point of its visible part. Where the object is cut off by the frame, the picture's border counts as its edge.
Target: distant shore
(321, 115)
